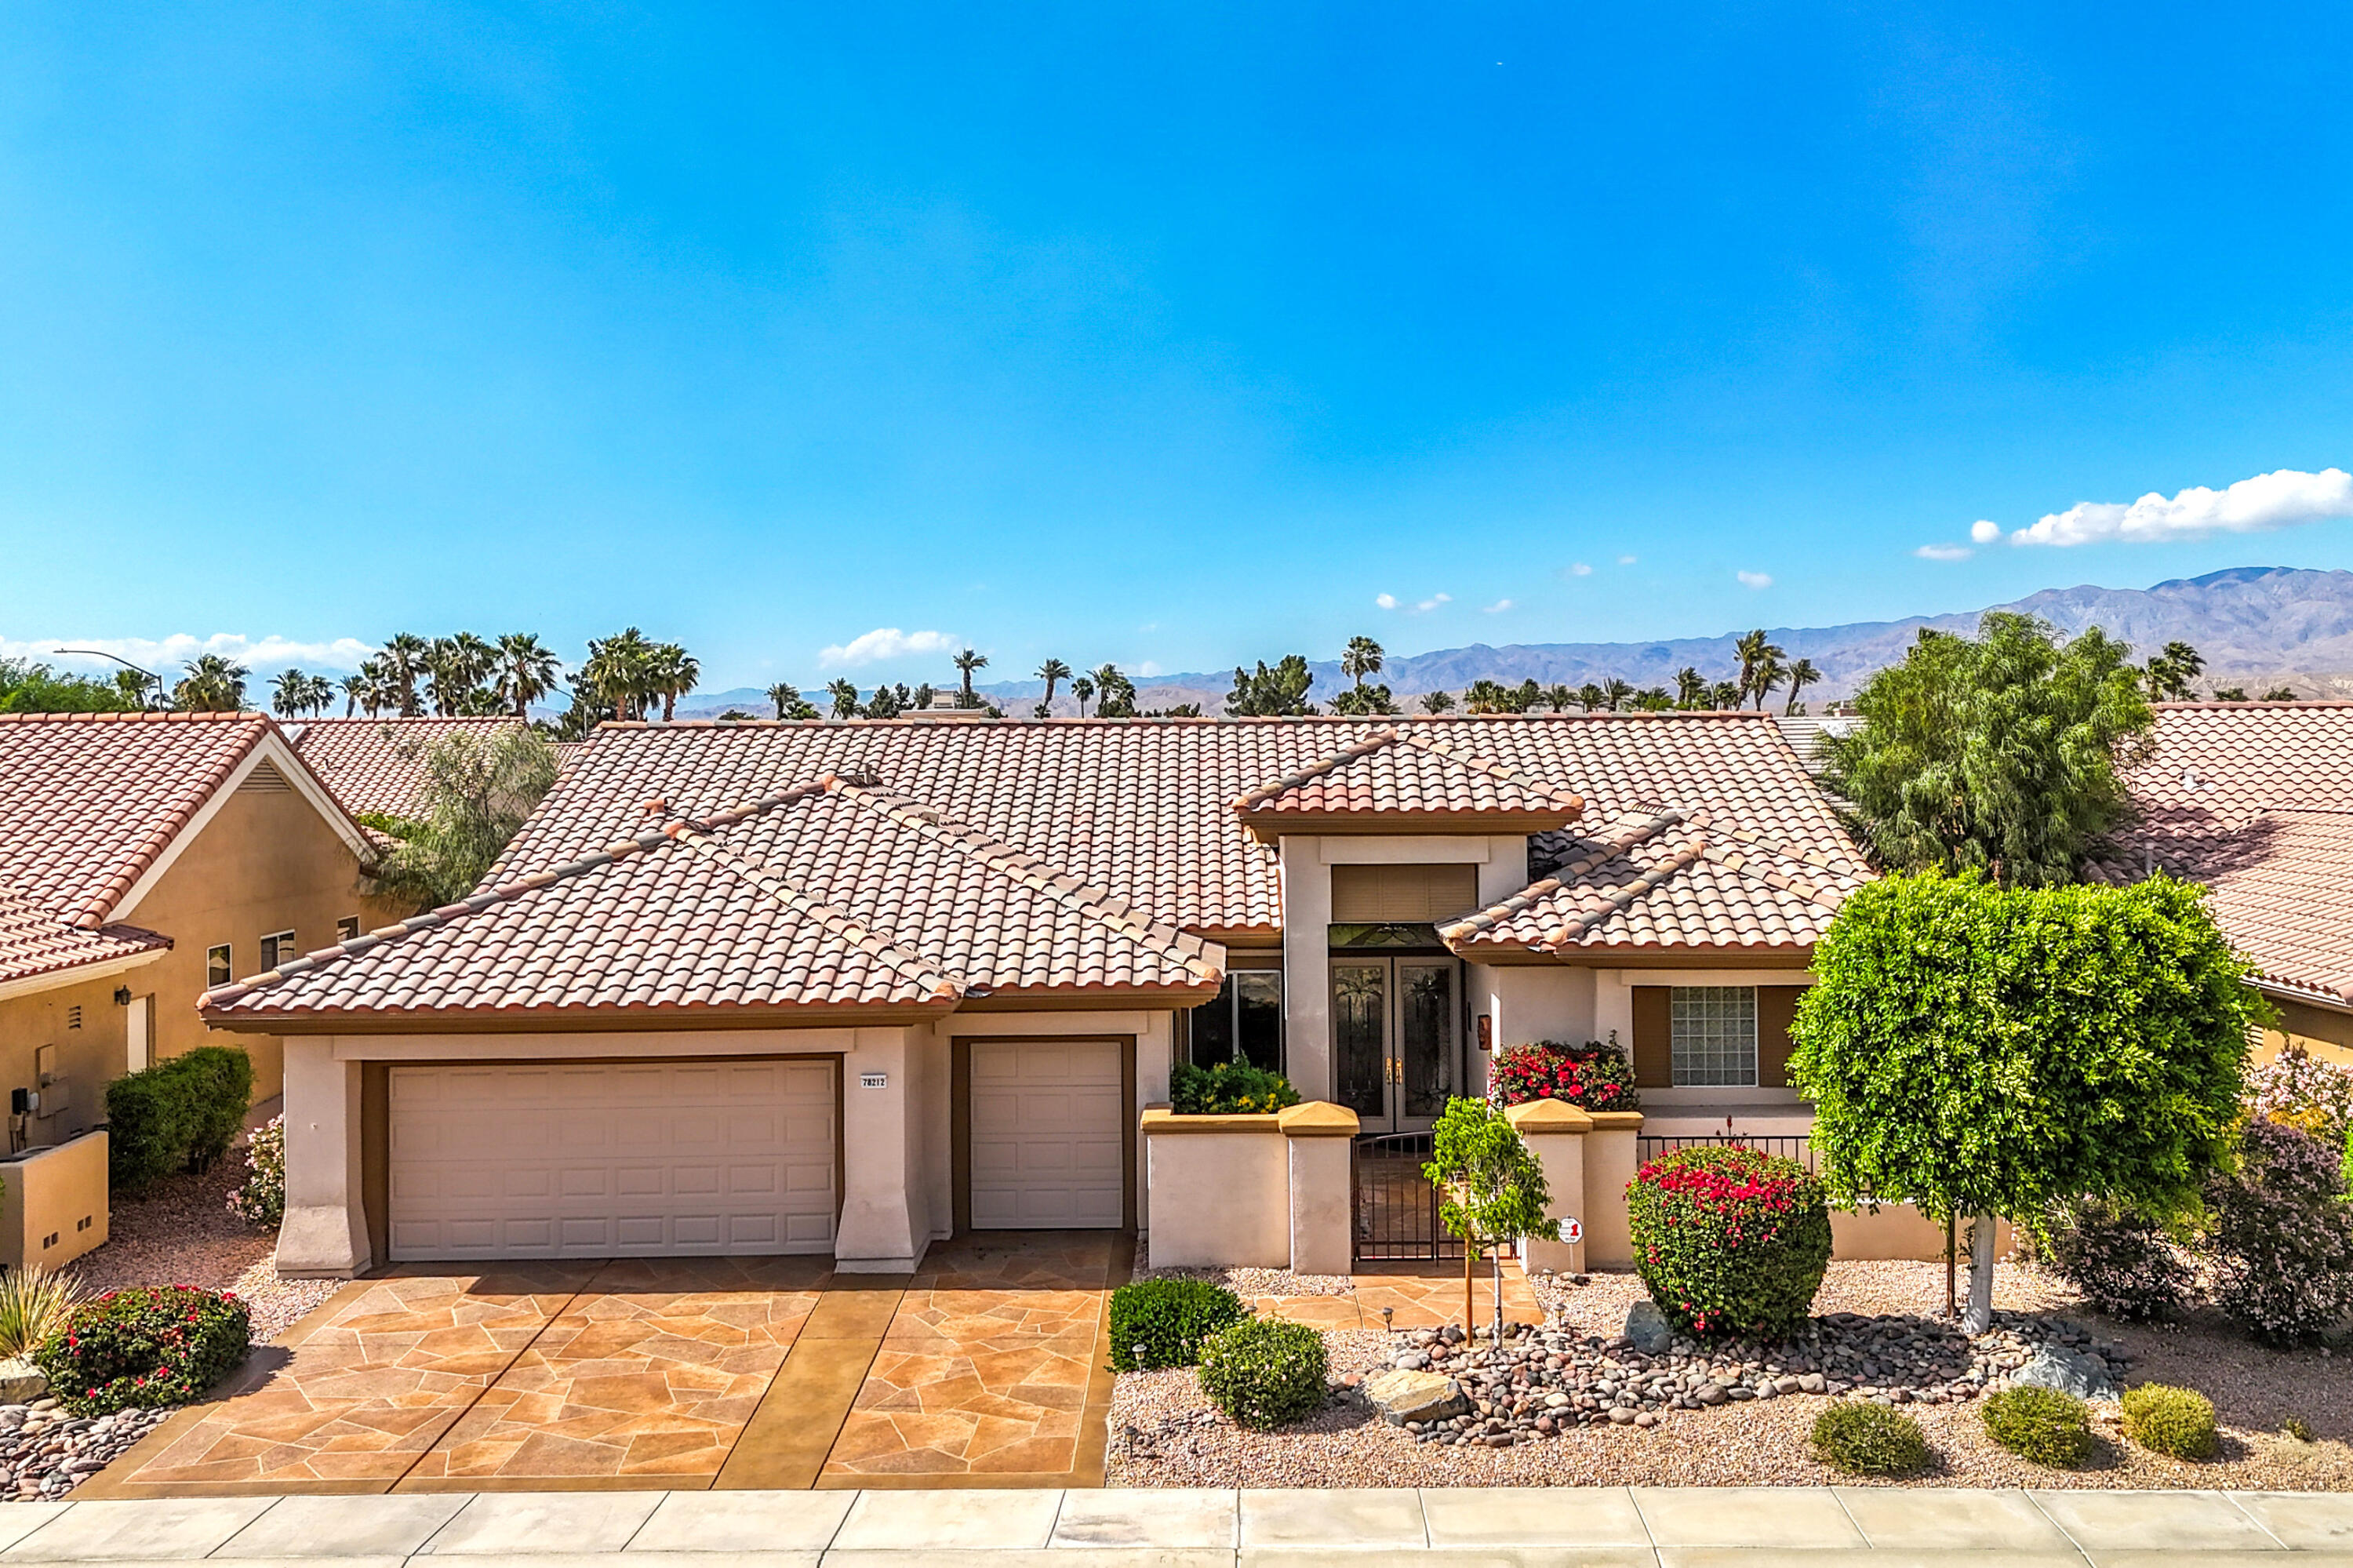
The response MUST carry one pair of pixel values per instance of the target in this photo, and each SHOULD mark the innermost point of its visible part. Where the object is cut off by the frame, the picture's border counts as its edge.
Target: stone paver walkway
(1641, 1528)
(1416, 1296)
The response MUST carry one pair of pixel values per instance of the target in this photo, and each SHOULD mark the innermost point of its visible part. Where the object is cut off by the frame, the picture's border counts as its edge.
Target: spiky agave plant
(34, 1305)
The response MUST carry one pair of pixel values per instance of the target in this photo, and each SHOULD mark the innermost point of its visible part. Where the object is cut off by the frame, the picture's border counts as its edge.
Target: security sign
(1572, 1232)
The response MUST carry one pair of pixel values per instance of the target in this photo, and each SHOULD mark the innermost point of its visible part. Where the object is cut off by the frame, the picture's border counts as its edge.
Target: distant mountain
(2257, 627)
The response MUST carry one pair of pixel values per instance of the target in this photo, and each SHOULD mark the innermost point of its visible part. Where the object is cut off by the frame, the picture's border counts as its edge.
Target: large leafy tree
(29, 688)
(1979, 1050)
(1998, 753)
(1268, 693)
(478, 789)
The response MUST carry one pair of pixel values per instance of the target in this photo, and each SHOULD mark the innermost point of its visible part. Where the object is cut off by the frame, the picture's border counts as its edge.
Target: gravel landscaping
(1882, 1340)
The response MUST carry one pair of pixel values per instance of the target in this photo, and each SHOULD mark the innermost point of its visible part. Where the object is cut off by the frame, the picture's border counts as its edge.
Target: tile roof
(34, 941)
(378, 765)
(1430, 781)
(89, 802)
(836, 893)
(2256, 801)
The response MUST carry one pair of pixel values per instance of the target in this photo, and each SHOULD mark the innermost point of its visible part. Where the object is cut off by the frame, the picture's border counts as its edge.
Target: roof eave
(565, 1019)
(1268, 827)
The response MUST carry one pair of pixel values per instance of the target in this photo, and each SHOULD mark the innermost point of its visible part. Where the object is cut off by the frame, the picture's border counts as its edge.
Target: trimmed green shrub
(1228, 1088)
(152, 1348)
(179, 1114)
(1866, 1439)
(2175, 1421)
(1264, 1373)
(2120, 1259)
(1729, 1240)
(1158, 1323)
(2045, 1425)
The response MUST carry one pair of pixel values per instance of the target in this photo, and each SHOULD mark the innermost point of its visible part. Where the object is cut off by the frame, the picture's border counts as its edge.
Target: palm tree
(618, 671)
(673, 672)
(1590, 696)
(1801, 674)
(1362, 658)
(403, 666)
(1082, 688)
(1438, 702)
(1558, 697)
(289, 691)
(784, 695)
(357, 688)
(212, 685)
(1724, 695)
(1690, 691)
(1485, 696)
(527, 670)
(321, 696)
(1654, 700)
(1616, 695)
(843, 693)
(1116, 694)
(1052, 671)
(446, 675)
(1770, 674)
(966, 662)
(1756, 652)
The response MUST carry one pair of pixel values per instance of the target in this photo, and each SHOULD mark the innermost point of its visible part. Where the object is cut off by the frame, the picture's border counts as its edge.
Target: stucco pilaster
(325, 1234)
(1306, 966)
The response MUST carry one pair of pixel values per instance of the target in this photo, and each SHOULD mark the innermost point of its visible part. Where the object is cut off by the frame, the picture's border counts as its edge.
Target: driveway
(985, 1366)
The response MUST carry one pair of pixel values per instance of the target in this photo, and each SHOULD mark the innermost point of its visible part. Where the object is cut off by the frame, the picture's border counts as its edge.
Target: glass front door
(1397, 1039)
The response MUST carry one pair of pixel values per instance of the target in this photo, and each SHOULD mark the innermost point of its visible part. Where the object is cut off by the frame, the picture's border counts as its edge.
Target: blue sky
(1164, 335)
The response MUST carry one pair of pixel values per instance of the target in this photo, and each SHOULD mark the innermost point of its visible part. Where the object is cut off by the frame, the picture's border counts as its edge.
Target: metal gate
(1394, 1206)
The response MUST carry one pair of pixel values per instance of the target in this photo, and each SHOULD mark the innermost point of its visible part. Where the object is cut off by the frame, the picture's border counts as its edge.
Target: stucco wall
(53, 1208)
(2325, 1032)
(1221, 1198)
(266, 862)
(88, 1058)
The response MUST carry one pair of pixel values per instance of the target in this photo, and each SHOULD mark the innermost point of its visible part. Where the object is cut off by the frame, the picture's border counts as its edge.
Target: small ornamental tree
(1492, 1188)
(1988, 1050)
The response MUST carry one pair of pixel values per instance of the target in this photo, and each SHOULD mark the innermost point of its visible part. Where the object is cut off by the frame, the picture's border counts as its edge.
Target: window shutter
(1776, 1009)
(1654, 1045)
(1402, 894)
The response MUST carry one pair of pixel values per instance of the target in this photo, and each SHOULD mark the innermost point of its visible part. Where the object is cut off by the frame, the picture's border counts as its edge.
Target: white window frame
(225, 968)
(347, 928)
(1703, 1023)
(276, 949)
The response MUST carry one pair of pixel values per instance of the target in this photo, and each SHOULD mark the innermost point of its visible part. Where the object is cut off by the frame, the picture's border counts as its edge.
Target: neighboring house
(143, 858)
(850, 989)
(2255, 800)
(377, 765)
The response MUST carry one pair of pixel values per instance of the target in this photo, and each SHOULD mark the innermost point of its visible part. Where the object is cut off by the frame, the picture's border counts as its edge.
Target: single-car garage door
(1047, 1121)
(627, 1160)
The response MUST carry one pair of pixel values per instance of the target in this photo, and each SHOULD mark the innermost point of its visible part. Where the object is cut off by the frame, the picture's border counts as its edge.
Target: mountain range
(2257, 627)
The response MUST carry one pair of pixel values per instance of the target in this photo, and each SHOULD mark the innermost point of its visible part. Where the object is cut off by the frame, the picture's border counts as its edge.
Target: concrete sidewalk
(1641, 1528)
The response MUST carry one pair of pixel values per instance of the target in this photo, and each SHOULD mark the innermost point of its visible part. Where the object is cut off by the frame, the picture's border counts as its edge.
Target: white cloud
(1497, 607)
(1625, 560)
(2257, 505)
(1985, 533)
(1150, 668)
(1385, 602)
(1754, 579)
(1943, 551)
(1423, 606)
(885, 642)
(1580, 570)
(164, 656)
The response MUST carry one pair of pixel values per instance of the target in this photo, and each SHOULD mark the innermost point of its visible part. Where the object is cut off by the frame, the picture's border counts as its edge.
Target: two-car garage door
(630, 1160)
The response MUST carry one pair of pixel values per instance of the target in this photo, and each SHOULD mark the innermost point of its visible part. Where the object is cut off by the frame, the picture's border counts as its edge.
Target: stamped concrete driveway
(984, 1368)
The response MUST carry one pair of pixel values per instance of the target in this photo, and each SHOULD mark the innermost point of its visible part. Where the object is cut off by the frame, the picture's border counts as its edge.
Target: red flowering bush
(1730, 1242)
(161, 1346)
(1591, 1076)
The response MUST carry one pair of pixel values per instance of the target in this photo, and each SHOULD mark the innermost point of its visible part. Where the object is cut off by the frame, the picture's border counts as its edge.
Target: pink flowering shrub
(2309, 1095)
(1730, 1242)
(2282, 1235)
(163, 1345)
(1591, 1076)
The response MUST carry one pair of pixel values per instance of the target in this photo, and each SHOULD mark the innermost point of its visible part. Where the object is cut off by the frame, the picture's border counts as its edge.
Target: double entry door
(1397, 1039)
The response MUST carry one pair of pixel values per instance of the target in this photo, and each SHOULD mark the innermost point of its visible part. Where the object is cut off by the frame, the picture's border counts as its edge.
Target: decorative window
(276, 949)
(347, 928)
(1714, 1036)
(218, 968)
(1243, 1023)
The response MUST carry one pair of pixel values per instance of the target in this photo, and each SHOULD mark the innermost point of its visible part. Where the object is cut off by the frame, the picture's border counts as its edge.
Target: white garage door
(632, 1160)
(1046, 1145)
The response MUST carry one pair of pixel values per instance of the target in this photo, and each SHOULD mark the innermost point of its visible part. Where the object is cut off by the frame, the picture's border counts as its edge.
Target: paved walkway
(1644, 1528)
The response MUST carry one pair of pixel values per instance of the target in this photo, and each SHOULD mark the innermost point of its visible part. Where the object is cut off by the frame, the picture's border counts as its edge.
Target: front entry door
(1397, 1038)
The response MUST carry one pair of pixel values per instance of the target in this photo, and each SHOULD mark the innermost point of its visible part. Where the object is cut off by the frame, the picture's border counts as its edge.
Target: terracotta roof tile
(378, 765)
(1389, 774)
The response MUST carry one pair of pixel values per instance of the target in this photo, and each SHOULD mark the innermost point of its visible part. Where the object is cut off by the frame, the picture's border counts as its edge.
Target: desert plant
(1591, 1076)
(2282, 1235)
(1729, 1240)
(1160, 1323)
(2298, 1428)
(262, 1199)
(1867, 1439)
(1228, 1088)
(2045, 1425)
(151, 1348)
(1264, 1373)
(2121, 1260)
(2175, 1422)
(34, 1305)
(181, 1114)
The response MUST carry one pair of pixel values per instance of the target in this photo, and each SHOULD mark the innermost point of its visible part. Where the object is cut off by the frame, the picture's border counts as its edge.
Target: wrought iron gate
(1394, 1206)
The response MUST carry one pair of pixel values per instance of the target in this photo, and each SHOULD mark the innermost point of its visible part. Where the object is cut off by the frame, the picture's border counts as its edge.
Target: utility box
(55, 1207)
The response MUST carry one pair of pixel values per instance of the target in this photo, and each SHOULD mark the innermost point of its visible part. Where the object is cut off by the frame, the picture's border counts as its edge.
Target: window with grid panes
(1714, 1036)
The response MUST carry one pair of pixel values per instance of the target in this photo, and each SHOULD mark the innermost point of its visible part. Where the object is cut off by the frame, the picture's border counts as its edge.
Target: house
(144, 857)
(377, 765)
(854, 988)
(2256, 801)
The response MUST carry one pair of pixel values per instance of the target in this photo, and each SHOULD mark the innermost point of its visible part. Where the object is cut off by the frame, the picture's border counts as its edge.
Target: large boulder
(1648, 1328)
(21, 1382)
(2069, 1372)
(1401, 1395)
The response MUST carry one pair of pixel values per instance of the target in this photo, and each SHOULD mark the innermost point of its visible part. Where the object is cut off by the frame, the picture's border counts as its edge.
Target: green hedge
(1228, 1088)
(1160, 1323)
(151, 1348)
(178, 1115)
(1264, 1373)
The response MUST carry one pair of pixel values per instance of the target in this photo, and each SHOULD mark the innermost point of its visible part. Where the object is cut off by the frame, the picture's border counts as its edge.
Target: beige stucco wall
(266, 862)
(1221, 1198)
(88, 1058)
(53, 1208)
(2325, 1032)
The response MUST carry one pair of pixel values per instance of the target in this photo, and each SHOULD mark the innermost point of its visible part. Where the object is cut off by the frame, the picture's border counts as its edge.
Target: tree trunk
(1952, 1304)
(1469, 1320)
(1498, 1337)
(1980, 1317)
